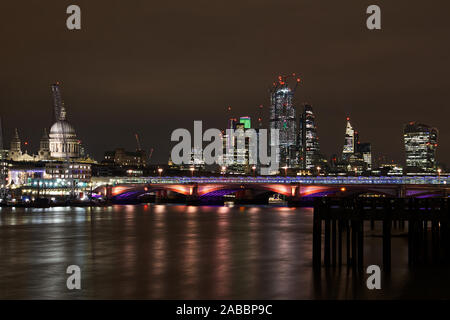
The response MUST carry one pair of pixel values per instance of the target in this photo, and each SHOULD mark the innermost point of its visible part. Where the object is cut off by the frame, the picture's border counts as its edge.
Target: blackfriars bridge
(258, 189)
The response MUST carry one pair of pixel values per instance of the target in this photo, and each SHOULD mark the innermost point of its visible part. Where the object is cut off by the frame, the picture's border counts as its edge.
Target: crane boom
(138, 142)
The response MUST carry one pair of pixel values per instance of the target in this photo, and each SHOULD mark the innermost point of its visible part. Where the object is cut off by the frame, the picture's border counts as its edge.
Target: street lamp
(254, 171)
(356, 171)
(192, 171)
(223, 170)
(318, 170)
(285, 171)
(160, 170)
(439, 170)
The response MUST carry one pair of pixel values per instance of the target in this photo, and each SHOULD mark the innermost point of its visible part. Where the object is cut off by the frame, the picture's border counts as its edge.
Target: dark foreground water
(186, 252)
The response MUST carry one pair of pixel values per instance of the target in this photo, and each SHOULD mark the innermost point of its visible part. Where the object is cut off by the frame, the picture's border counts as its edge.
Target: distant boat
(276, 199)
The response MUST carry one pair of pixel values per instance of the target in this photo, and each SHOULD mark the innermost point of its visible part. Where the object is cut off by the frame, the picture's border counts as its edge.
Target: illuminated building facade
(420, 142)
(240, 157)
(283, 118)
(309, 147)
(63, 139)
(120, 157)
(356, 155)
(349, 142)
(15, 149)
(74, 171)
(44, 146)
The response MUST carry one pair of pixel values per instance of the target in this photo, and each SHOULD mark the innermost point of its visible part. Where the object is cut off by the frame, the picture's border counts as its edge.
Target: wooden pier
(336, 219)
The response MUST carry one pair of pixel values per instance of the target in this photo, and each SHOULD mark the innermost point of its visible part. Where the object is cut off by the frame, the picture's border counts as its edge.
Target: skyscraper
(349, 142)
(283, 118)
(355, 154)
(420, 147)
(240, 157)
(246, 121)
(309, 147)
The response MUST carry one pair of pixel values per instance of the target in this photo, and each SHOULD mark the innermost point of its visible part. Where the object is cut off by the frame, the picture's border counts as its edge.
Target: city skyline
(183, 74)
(233, 151)
(298, 117)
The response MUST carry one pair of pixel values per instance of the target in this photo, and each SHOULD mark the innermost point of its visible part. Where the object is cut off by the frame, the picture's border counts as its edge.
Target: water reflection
(173, 251)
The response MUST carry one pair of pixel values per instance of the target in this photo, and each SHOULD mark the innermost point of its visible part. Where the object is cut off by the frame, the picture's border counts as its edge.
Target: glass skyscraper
(356, 154)
(309, 147)
(349, 142)
(420, 147)
(283, 118)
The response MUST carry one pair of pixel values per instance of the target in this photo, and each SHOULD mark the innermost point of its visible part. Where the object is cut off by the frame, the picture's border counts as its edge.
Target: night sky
(150, 67)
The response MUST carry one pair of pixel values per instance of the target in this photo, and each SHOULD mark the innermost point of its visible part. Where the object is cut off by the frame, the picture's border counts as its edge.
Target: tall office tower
(57, 101)
(246, 121)
(357, 155)
(308, 141)
(349, 142)
(240, 157)
(420, 147)
(283, 118)
(365, 152)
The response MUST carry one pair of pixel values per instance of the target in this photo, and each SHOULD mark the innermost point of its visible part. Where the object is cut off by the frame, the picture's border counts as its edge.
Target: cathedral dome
(63, 139)
(62, 128)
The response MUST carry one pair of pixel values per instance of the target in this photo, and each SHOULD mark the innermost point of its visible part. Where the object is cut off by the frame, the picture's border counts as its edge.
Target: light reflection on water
(187, 252)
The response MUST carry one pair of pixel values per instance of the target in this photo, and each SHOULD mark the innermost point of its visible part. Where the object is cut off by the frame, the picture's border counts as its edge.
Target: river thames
(158, 251)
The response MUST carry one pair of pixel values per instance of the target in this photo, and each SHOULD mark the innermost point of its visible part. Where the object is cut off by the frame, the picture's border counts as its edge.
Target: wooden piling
(347, 239)
(354, 231)
(327, 255)
(387, 225)
(317, 238)
(345, 216)
(340, 242)
(361, 244)
(333, 242)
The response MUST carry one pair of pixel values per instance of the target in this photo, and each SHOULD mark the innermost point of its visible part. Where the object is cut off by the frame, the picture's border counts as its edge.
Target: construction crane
(150, 154)
(57, 101)
(138, 142)
(60, 117)
(283, 81)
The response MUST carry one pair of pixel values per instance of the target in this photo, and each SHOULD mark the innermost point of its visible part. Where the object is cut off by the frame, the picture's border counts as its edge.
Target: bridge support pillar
(161, 196)
(108, 192)
(192, 198)
(401, 191)
(248, 196)
(295, 198)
